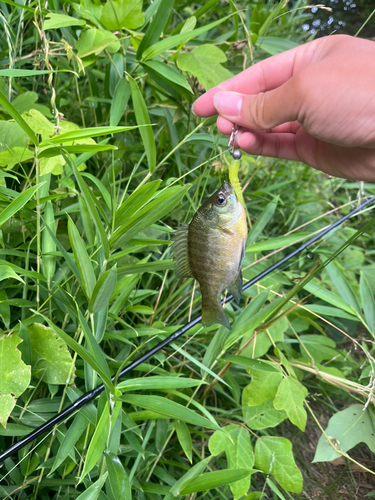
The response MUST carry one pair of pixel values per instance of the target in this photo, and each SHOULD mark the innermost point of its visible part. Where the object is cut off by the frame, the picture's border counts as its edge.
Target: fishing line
(90, 396)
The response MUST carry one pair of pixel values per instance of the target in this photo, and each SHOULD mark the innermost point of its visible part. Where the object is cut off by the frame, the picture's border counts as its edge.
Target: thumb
(260, 111)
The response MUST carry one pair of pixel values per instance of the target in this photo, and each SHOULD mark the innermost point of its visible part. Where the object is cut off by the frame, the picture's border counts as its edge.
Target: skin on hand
(314, 104)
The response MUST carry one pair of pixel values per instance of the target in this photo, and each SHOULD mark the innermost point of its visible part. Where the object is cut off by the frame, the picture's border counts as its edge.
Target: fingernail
(228, 103)
(192, 109)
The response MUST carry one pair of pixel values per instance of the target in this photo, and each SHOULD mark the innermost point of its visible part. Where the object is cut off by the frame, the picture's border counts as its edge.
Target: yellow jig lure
(235, 165)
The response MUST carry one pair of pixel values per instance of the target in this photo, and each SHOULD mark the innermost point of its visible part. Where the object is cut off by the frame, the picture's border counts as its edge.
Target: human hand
(314, 103)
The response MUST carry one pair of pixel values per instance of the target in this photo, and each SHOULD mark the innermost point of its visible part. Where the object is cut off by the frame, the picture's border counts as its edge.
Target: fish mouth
(227, 188)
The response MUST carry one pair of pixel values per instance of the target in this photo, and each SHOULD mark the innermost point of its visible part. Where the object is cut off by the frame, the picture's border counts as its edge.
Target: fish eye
(221, 200)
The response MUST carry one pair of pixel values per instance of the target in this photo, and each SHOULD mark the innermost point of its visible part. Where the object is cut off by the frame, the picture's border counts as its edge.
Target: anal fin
(180, 252)
(235, 288)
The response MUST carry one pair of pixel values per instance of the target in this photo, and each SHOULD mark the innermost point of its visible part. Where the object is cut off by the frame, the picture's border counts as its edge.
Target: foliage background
(87, 282)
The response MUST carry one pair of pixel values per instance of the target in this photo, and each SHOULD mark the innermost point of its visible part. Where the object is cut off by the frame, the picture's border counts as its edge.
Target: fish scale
(211, 248)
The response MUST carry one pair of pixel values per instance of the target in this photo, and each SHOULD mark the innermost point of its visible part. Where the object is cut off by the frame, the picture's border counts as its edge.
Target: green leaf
(290, 397)
(368, 303)
(319, 347)
(235, 442)
(262, 416)
(274, 45)
(14, 375)
(345, 430)
(142, 118)
(184, 438)
(342, 286)
(262, 221)
(94, 41)
(7, 272)
(158, 383)
(119, 14)
(103, 290)
(214, 479)
(18, 118)
(93, 491)
(48, 243)
(191, 474)
(156, 27)
(85, 267)
(170, 409)
(204, 63)
(276, 243)
(97, 442)
(181, 38)
(18, 203)
(135, 201)
(315, 288)
(84, 133)
(79, 148)
(273, 455)
(50, 358)
(118, 477)
(119, 101)
(56, 21)
(169, 79)
(75, 431)
(263, 386)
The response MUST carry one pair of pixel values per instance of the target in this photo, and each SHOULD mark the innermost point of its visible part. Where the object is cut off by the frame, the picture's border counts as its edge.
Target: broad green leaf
(290, 397)
(38, 122)
(346, 429)
(204, 62)
(55, 21)
(18, 203)
(13, 138)
(262, 221)
(119, 101)
(342, 286)
(97, 442)
(330, 311)
(215, 479)
(274, 45)
(75, 431)
(156, 26)
(175, 40)
(368, 303)
(50, 358)
(18, 118)
(81, 351)
(118, 477)
(263, 341)
(184, 438)
(12, 157)
(263, 386)
(14, 375)
(85, 266)
(94, 41)
(169, 79)
(84, 133)
(262, 416)
(273, 455)
(142, 118)
(93, 491)
(170, 409)
(158, 383)
(103, 290)
(319, 347)
(315, 288)
(119, 14)
(235, 442)
(276, 243)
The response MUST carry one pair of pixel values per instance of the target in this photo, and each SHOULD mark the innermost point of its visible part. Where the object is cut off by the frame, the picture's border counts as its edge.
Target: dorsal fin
(180, 252)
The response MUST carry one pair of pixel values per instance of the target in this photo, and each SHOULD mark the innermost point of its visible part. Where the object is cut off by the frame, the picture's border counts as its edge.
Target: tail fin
(213, 314)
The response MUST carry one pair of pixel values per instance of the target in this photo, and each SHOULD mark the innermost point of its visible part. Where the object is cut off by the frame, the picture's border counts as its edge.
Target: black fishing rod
(89, 396)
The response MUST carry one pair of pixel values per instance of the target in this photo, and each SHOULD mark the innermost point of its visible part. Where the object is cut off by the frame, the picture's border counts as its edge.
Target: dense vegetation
(101, 159)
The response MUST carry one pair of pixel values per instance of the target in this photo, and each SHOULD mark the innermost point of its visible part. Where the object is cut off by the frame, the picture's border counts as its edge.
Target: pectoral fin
(180, 252)
(235, 288)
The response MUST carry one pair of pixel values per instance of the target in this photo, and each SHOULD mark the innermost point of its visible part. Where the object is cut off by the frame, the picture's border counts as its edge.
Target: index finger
(263, 76)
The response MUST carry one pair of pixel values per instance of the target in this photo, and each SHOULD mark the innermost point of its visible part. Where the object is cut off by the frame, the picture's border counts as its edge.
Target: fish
(211, 248)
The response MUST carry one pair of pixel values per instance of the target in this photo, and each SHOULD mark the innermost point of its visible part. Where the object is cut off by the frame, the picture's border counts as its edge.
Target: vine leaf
(289, 397)
(346, 429)
(235, 441)
(262, 416)
(263, 386)
(273, 455)
(14, 375)
(50, 357)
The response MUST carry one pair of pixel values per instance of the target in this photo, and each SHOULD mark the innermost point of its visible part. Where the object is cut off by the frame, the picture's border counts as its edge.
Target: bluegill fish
(210, 249)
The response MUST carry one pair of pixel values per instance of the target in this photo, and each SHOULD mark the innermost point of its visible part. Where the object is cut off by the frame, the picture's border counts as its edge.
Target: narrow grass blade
(48, 243)
(158, 383)
(135, 201)
(156, 27)
(82, 259)
(119, 101)
(18, 118)
(84, 133)
(18, 203)
(215, 479)
(142, 118)
(118, 477)
(368, 303)
(80, 148)
(103, 290)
